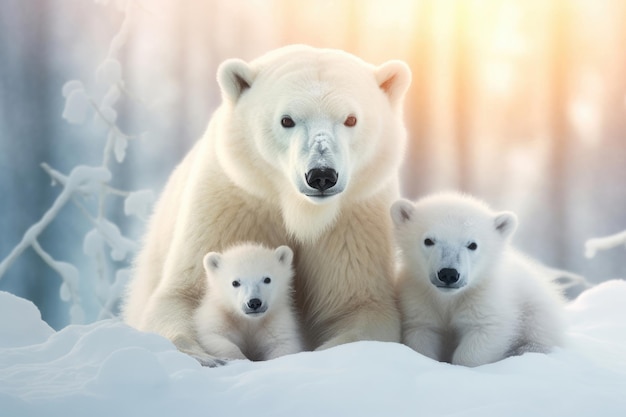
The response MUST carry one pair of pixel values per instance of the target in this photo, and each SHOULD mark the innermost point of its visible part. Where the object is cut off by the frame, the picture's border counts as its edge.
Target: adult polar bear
(304, 151)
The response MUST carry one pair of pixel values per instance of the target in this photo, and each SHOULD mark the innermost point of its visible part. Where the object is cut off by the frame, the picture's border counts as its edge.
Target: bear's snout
(255, 304)
(321, 178)
(255, 307)
(448, 276)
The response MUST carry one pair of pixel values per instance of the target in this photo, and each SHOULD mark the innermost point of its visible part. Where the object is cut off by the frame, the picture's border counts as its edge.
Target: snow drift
(107, 368)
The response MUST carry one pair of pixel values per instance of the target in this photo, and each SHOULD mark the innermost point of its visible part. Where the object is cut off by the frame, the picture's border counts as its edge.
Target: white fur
(501, 305)
(227, 327)
(245, 181)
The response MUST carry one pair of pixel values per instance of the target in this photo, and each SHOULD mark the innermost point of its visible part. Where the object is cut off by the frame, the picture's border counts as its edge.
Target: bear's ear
(394, 78)
(402, 211)
(506, 223)
(284, 254)
(234, 77)
(212, 261)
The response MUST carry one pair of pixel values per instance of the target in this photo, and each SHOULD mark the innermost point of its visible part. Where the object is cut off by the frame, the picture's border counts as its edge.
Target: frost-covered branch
(69, 288)
(57, 177)
(81, 178)
(35, 230)
(592, 246)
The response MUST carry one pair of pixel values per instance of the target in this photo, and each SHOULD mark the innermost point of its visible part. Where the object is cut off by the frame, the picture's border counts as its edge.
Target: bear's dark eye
(472, 246)
(350, 121)
(267, 280)
(287, 122)
(236, 284)
(428, 242)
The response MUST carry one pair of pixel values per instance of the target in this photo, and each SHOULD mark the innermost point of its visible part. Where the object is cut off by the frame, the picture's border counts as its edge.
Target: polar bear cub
(247, 314)
(465, 295)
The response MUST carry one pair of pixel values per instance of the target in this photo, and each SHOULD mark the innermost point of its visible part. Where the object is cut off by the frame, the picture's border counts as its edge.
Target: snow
(119, 148)
(121, 247)
(107, 368)
(139, 203)
(77, 105)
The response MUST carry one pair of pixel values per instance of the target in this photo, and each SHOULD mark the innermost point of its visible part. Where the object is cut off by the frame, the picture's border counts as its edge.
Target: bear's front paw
(475, 357)
(208, 360)
(190, 347)
(341, 339)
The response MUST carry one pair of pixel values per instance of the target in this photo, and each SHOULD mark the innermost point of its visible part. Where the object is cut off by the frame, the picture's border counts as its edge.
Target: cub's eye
(350, 121)
(236, 284)
(429, 242)
(287, 122)
(472, 246)
(267, 280)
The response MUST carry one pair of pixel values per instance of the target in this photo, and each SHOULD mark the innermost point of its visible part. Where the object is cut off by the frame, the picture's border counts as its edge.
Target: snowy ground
(109, 369)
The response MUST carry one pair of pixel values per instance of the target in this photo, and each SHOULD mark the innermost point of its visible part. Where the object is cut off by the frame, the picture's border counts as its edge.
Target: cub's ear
(394, 78)
(402, 212)
(234, 77)
(506, 223)
(284, 254)
(212, 261)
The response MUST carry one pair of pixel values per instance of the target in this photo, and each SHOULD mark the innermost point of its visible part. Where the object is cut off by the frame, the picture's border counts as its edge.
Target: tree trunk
(462, 79)
(559, 130)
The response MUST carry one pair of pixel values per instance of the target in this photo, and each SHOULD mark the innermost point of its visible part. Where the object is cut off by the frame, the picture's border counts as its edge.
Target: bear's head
(250, 279)
(311, 129)
(449, 239)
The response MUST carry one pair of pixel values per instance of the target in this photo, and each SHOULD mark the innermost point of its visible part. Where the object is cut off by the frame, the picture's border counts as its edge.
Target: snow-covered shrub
(104, 243)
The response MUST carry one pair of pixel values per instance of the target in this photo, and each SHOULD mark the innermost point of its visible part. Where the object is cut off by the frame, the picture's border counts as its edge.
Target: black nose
(321, 178)
(448, 275)
(255, 303)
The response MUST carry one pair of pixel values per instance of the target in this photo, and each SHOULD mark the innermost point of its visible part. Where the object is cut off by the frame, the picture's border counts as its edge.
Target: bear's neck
(306, 221)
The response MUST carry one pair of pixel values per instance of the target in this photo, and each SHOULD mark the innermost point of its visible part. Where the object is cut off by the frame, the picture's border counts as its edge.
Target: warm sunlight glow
(585, 118)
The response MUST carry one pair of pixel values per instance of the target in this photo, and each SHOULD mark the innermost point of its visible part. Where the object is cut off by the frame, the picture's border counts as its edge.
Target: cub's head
(306, 127)
(250, 279)
(450, 240)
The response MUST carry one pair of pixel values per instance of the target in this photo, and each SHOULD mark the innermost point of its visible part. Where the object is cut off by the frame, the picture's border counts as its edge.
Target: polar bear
(465, 295)
(304, 151)
(247, 312)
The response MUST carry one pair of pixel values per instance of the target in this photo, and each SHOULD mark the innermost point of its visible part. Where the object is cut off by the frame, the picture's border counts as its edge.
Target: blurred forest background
(519, 102)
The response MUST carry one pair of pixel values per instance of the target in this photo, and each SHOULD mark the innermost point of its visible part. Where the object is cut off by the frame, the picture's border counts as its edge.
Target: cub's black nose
(255, 303)
(448, 275)
(321, 178)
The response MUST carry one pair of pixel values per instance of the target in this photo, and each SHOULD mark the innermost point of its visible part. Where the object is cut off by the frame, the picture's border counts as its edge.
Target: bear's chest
(250, 337)
(448, 342)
